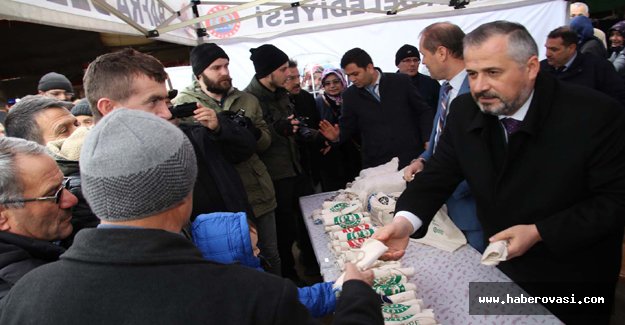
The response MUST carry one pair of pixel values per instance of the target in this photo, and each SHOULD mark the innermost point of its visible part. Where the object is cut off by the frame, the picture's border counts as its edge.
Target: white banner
(317, 32)
(383, 39)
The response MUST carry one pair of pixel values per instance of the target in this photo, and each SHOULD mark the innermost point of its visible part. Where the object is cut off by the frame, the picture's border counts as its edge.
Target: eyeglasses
(410, 60)
(56, 198)
(289, 78)
(331, 82)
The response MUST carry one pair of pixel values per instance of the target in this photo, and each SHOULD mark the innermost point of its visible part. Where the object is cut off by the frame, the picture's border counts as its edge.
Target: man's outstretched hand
(394, 235)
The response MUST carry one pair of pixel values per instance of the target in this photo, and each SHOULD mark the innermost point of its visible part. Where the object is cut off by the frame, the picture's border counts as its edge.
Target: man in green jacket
(282, 157)
(213, 89)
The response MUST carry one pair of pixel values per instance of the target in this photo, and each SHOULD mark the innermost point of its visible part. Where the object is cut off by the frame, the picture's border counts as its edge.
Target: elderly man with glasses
(407, 60)
(35, 209)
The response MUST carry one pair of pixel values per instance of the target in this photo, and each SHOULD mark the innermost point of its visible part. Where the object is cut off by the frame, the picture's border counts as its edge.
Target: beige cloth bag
(443, 233)
(495, 253)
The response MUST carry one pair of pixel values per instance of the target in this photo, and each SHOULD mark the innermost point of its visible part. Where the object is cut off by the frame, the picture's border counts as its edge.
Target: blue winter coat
(224, 237)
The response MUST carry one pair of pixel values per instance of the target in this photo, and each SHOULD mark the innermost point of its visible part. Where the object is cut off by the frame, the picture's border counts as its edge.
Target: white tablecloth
(442, 278)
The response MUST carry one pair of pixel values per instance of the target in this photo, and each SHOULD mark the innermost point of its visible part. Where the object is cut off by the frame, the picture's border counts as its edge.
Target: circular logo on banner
(224, 31)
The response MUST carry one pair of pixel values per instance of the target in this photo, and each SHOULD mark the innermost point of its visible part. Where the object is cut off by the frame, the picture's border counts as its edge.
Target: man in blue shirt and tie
(441, 47)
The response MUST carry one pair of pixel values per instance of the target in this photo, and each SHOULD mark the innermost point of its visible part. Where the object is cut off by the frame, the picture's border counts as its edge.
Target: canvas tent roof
(233, 21)
(308, 29)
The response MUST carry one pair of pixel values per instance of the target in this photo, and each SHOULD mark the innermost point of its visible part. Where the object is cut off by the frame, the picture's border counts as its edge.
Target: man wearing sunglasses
(35, 209)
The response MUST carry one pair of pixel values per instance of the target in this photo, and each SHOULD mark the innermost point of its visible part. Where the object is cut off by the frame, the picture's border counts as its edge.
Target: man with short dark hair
(545, 161)
(56, 85)
(41, 119)
(407, 60)
(310, 143)
(385, 109)
(136, 268)
(566, 63)
(35, 209)
(46, 121)
(304, 107)
(134, 80)
(213, 89)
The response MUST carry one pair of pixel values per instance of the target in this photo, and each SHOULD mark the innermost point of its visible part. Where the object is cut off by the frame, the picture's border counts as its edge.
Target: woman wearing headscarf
(588, 42)
(617, 47)
(340, 164)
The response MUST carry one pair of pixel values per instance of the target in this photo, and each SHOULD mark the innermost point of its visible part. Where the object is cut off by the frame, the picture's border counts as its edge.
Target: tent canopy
(307, 30)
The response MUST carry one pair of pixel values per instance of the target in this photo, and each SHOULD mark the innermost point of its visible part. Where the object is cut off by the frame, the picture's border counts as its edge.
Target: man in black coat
(566, 63)
(385, 109)
(135, 268)
(551, 183)
(407, 60)
(35, 210)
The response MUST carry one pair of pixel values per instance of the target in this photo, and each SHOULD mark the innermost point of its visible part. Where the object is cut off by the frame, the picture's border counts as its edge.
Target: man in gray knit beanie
(138, 173)
(135, 165)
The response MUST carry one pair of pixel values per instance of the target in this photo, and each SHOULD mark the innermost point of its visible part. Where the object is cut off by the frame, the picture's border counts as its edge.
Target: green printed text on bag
(360, 234)
(347, 220)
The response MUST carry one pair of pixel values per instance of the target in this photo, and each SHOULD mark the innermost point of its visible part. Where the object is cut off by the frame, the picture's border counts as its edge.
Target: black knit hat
(267, 58)
(82, 108)
(406, 51)
(55, 80)
(203, 55)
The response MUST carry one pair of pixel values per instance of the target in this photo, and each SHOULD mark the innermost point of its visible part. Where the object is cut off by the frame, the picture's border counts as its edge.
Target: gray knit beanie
(82, 108)
(53, 80)
(134, 164)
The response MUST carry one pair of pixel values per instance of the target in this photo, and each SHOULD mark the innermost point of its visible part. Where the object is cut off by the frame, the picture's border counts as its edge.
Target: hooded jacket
(225, 238)
(588, 42)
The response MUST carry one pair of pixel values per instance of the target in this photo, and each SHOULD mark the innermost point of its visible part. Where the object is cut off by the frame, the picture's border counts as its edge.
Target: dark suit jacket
(397, 126)
(564, 171)
(593, 72)
(428, 88)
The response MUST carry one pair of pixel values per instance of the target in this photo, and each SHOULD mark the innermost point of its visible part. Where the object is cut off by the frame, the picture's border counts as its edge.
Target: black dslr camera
(183, 110)
(237, 117)
(304, 131)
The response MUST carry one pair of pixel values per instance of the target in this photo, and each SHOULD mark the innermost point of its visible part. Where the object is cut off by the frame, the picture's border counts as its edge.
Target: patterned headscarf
(339, 74)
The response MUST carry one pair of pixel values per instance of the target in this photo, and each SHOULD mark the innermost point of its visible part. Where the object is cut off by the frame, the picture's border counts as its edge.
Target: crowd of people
(123, 208)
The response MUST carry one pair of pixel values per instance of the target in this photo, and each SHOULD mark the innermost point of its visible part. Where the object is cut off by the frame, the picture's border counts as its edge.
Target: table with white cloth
(442, 278)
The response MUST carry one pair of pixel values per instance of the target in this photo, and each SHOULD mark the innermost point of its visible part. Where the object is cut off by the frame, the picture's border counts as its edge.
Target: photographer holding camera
(282, 156)
(213, 89)
(311, 143)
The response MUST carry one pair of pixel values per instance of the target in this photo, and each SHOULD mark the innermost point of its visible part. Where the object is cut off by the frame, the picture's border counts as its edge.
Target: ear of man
(105, 106)
(4, 219)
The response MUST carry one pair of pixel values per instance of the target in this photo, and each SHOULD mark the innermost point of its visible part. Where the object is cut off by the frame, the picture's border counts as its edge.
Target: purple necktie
(511, 125)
